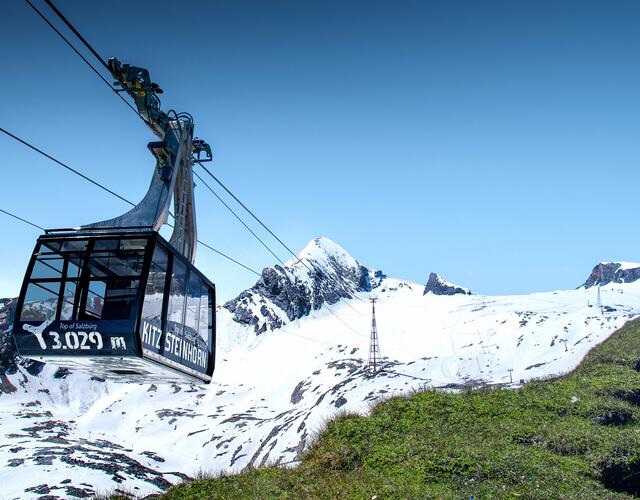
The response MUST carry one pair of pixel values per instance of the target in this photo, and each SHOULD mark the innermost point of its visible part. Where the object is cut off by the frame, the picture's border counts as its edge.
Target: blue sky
(494, 142)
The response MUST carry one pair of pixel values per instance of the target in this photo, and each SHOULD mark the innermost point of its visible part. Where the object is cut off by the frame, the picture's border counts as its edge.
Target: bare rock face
(7, 349)
(323, 273)
(613, 272)
(439, 286)
(9, 359)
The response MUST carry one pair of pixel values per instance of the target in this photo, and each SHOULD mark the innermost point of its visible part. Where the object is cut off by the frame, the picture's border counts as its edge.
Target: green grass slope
(576, 436)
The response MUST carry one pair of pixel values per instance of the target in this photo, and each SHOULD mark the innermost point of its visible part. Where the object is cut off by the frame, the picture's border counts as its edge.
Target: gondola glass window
(204, 318)
(175, 313)
(154, 301)
(114, 271)
(58, 289)
(188, 332)
(192, 311)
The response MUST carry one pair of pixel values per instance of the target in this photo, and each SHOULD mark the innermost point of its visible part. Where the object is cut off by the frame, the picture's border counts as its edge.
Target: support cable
(283, 330)
(21, 219)
(331, 311)
(102, 61)
(229, 258)
(238, 217)
(312, 268)
(113, 193)
(93, 68)
(77, 33)
(95, 183)
(251, 213)
(343, 322)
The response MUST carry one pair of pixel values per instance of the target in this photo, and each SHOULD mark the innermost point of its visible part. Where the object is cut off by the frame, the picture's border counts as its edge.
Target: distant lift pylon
(114, 298)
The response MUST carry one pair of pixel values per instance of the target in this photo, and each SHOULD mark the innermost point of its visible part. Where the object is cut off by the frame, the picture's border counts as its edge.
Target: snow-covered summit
(613, 272)
(439, 286)
(322, 273)
(323, 251)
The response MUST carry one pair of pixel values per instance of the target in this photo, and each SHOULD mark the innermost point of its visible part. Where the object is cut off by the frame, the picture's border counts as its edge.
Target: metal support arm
(173, 174)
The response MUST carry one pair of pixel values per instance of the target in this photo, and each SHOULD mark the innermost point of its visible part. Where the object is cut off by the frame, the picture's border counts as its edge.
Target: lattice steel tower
(374, 347)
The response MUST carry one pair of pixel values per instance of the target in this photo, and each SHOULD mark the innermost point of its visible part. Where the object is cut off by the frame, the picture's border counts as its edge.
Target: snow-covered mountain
(292, 351)
(322, 274)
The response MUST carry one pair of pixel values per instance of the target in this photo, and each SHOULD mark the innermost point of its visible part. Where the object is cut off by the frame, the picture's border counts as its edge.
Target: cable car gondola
(114, 298)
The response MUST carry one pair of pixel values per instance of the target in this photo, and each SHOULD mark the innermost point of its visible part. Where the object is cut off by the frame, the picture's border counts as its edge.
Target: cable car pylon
(373, 364)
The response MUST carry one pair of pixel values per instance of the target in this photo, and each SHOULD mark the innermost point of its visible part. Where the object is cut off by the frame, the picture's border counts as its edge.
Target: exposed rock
(341, 401)
(323, 273)
(298, 393)
(613, 272)
(9, 360)
(439, 286)
(7, 349)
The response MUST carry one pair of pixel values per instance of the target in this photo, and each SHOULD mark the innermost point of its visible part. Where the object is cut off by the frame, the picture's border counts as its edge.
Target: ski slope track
(292, 352)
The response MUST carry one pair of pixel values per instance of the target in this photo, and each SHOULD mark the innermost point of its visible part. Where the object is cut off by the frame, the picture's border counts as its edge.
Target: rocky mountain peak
(322, 273)
(439, 286)
(613, 272)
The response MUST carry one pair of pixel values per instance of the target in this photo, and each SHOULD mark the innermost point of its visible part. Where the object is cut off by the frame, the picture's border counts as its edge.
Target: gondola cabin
(117, 304)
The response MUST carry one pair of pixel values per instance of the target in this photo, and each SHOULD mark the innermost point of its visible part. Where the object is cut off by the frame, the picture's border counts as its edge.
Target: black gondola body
(117, 305)
(114, 298)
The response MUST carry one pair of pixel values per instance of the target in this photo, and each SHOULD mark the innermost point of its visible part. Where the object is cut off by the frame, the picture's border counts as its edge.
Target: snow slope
(72, 436)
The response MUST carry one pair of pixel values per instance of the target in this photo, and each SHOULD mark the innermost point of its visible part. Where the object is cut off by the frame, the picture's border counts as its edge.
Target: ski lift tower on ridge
(373, 365)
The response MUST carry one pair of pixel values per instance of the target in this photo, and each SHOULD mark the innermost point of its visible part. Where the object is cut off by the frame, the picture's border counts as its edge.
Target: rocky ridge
(613, 272)
(439, 286)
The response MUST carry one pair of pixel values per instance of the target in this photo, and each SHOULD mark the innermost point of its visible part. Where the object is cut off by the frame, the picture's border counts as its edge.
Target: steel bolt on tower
(374, 346)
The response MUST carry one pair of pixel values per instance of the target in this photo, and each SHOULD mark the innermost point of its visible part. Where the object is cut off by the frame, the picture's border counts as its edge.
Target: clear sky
(495, 143)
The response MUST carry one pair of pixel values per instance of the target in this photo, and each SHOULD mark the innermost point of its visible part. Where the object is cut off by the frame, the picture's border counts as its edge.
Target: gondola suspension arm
(175, 153)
